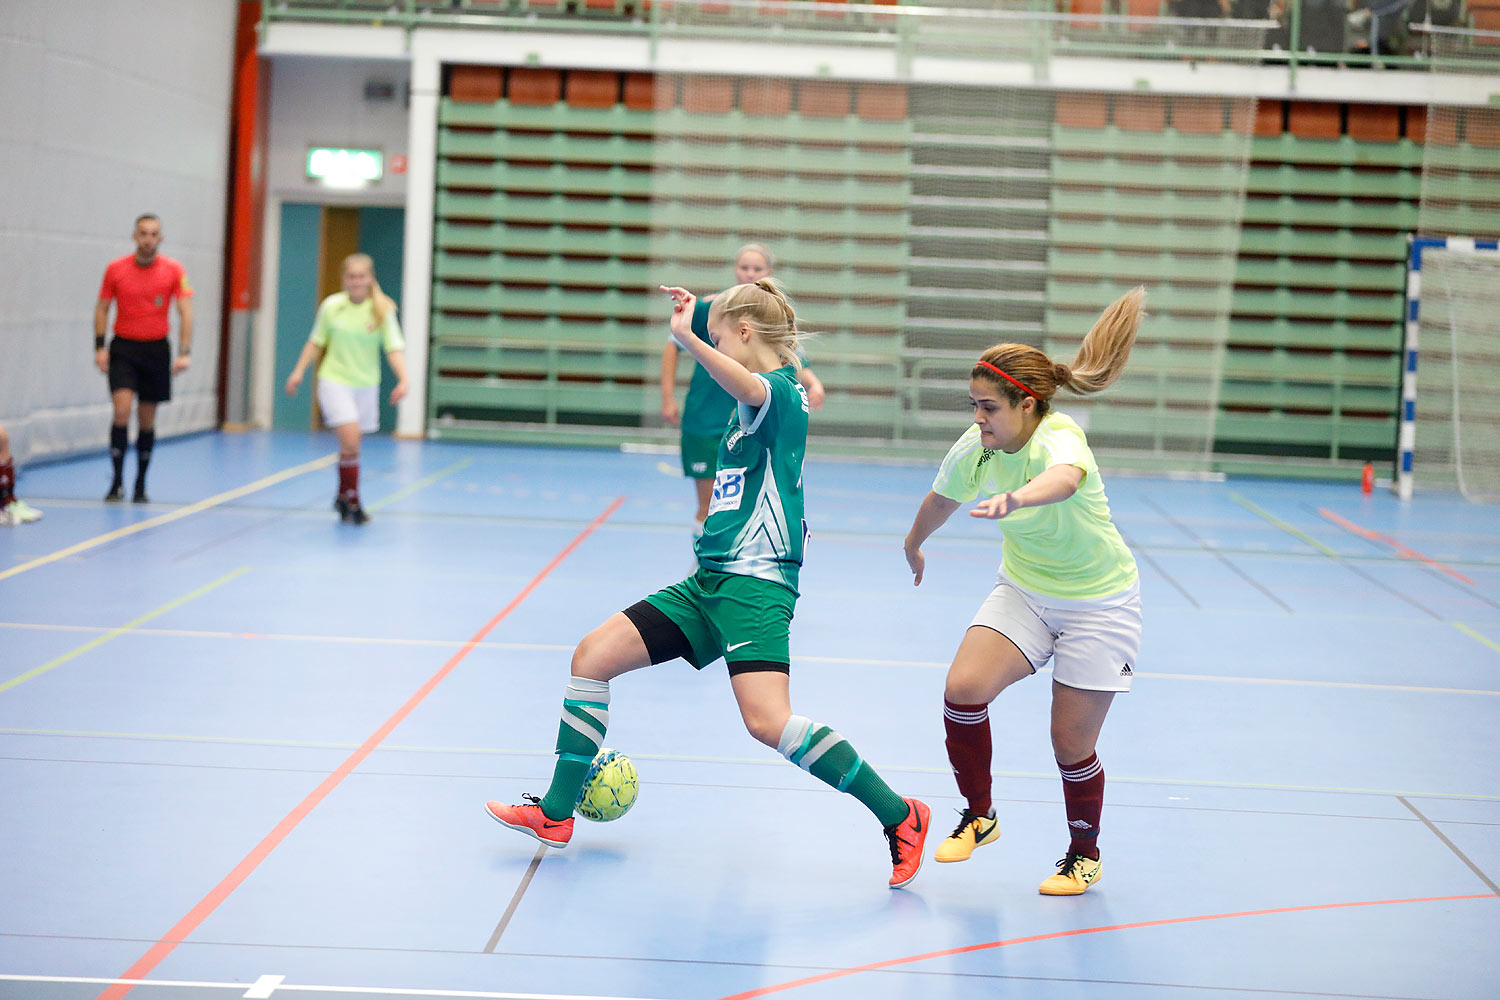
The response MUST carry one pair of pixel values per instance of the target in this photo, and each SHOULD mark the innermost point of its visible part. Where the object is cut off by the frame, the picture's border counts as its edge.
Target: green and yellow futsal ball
(609, 788)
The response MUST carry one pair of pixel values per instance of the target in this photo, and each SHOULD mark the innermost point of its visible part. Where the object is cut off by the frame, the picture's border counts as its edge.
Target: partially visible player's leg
(1093, 662)
(704, 489)
(989, 660)
(346, 502)
(699, 453)
(351, 411)
(13, 510)
(122, 399)
(1077, 717)
(762, 690)
(614, 648)
(145, 443)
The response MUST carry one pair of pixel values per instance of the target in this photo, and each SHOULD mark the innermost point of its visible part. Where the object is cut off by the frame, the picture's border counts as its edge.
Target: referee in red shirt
(138, 360)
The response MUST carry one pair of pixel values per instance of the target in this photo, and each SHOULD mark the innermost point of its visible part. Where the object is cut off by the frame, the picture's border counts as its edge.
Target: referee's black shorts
(142, 366)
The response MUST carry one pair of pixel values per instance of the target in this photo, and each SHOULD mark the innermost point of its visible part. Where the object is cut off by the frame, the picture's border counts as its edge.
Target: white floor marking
(294, 988)
(856, 660)
(176, 515)
(263, 987)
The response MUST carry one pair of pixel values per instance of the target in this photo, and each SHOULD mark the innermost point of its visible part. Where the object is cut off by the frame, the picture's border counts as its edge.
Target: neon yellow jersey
(1069, 549)
(351, 341)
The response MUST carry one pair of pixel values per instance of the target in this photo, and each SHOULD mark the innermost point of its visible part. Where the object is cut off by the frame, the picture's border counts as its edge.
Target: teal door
(314, 240)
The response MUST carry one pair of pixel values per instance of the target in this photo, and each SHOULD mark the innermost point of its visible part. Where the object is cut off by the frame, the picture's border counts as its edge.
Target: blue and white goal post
(1406, 438)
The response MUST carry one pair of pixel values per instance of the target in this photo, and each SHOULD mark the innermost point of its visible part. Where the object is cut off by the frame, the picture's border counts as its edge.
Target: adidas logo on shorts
(1125, 670)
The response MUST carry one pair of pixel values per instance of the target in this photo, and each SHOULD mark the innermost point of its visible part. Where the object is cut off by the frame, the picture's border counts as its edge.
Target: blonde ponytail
(764, 305)
(1105, 349)
(384, 305)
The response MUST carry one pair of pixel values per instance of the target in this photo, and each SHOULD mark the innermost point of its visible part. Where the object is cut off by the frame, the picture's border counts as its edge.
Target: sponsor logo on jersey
(732, 443)
(729, 490)
(801, 391)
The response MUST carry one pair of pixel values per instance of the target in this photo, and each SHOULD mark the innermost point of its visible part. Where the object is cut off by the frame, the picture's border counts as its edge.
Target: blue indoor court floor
(244, 749)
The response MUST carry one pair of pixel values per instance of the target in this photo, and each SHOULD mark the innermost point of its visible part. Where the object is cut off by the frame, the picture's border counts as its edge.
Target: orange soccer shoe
(530, 820)
(907, 839)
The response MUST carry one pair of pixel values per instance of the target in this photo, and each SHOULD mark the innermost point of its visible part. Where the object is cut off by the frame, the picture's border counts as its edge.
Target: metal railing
(1027, 30)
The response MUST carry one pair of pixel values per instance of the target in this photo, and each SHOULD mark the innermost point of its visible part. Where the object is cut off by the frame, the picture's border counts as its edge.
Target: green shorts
(700, 455)
(745, 620)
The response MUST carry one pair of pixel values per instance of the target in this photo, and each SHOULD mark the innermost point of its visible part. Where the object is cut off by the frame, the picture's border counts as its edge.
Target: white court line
(263, 987)
(770, 761)
(854, 660)
(249, 989)
(176, 515)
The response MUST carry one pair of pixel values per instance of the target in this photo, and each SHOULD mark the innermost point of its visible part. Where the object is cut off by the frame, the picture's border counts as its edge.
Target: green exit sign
(345, 167)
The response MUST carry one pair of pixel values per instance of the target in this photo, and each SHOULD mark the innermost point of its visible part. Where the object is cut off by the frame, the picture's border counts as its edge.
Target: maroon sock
(969, 751)
(349, 480)
(1083, 794)
(7, 482)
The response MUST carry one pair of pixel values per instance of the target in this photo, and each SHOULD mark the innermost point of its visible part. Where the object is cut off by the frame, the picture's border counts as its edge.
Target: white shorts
(1093, 645)
(347, 404)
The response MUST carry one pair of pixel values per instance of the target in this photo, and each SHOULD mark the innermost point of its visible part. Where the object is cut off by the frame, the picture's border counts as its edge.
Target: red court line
(206, 906)
(1402, 550)
(840, 973)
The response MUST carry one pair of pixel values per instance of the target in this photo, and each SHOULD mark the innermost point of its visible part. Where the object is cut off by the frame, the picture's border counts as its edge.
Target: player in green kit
(739, 603)
(707, 406)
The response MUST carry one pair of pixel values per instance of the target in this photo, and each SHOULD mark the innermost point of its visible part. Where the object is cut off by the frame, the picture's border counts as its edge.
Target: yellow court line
(1482, 638)
(423, 483)
(98, 641)
(1267, 515)
(187, 633)
(175, 515)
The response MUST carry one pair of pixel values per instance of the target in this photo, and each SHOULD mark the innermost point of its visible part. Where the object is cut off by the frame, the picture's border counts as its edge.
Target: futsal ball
(610, 788)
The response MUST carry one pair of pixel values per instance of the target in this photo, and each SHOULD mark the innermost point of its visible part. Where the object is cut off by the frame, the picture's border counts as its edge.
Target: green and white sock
(827, 756)
(585, 718)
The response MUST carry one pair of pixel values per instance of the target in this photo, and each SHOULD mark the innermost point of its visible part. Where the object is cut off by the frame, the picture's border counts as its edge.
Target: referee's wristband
(98, 341)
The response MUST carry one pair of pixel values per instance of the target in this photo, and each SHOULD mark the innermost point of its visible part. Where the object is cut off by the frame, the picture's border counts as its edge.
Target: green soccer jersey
(755, 523)
(1070, 549)
(707, 405)
(351, 341)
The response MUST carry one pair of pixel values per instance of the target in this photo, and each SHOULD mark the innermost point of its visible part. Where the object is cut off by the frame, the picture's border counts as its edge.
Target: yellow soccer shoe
(972, 831)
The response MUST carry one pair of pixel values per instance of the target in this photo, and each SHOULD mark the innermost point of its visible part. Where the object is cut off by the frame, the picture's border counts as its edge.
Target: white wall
(110, 109)
(321, 102)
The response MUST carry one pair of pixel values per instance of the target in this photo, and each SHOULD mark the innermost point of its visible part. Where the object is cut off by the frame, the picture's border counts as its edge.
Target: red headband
(1012, 381)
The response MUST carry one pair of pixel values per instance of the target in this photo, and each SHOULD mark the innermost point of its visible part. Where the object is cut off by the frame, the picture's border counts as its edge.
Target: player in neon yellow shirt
(351, 329)
(1068, 590)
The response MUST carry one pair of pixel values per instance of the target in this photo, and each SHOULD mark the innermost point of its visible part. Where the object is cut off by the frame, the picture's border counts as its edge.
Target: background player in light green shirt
(1068, 588)
(739, 604)
(351, 329)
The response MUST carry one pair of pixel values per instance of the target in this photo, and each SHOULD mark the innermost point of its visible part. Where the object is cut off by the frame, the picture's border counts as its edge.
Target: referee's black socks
(118, 441)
